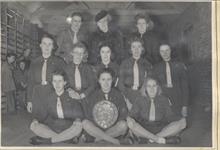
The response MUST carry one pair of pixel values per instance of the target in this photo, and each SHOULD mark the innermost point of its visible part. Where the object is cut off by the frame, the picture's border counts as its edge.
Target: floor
(15, 130)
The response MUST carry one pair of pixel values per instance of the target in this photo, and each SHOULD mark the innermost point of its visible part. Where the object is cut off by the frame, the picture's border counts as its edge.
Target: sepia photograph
(82, 74)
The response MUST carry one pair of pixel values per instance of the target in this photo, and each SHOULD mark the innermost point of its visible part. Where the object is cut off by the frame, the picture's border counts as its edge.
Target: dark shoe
(173, 140)
(126, 140)
(142, 140)
(36, 140)
(89, 138)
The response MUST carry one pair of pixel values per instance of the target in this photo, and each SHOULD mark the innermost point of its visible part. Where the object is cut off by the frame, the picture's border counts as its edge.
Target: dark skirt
(154, 127)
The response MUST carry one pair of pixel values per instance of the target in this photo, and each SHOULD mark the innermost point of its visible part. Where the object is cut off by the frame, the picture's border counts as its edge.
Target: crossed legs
(170, 130)
(119, 129)
(44, 131)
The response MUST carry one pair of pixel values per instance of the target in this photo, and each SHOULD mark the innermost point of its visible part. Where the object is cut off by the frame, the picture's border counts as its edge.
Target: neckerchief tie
(77, 78)
(44, 73)
(136, 76)
(168, 75)
(59, 109)
(152, 110)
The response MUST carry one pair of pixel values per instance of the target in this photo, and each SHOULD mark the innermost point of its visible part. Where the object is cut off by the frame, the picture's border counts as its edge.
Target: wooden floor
(15, 131)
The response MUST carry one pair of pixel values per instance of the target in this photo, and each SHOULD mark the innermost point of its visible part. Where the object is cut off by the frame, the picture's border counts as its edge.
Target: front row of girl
(104, 114)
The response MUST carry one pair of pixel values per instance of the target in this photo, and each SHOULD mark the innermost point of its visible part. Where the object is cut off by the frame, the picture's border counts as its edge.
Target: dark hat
(100, 15)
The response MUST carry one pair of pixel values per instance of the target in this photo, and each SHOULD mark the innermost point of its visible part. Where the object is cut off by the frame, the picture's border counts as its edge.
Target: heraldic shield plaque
(105, 114)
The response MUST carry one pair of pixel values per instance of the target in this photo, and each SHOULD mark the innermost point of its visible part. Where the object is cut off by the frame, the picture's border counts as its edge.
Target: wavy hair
(143, 88)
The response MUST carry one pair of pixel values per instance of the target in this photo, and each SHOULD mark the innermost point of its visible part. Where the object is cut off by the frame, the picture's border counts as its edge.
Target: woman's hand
(74, 94)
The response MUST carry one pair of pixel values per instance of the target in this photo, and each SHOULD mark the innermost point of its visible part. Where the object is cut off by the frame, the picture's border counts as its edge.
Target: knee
(122, 125)
(77, 124)
(86, 124)
(131, 124)
(34, 124)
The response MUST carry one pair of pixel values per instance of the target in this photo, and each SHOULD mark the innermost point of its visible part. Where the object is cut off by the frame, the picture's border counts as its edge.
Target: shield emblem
(105, 114)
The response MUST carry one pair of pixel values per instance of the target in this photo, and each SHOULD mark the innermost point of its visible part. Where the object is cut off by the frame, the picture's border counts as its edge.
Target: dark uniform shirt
(87, 78)
(34, 75)
(163, 113)
(114, 40)
(65, 42)
(71, 111)
(126, 76)
(114, 96)
(179, 93)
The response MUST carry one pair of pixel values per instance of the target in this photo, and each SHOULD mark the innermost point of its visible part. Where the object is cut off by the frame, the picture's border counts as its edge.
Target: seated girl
(106, 61)
(151, 116)
(106, 111)
(80, 75)
(62, 118)
(133, 71)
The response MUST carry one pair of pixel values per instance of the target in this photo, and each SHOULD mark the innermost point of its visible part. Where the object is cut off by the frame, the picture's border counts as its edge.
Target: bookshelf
(17, 34)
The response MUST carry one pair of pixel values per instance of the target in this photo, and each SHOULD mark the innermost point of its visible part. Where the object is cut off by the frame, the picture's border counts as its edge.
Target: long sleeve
(78, 111)
(123, 111)
(135, 111)
(91, 80)
(169, 114)
(121, 81)
(40, 105)
(184, 84)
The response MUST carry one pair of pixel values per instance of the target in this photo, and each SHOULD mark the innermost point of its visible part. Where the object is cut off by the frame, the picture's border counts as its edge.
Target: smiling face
(78, 53)
(76, 23)
(103, 24)
(165, 52)
(105, 53)
(46, 47)
(141, 25)
(136, 49)
(151, 88)
(58, 83)
(105, 81)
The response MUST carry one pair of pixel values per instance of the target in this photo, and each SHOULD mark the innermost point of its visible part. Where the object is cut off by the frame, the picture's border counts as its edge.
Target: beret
(101, 15)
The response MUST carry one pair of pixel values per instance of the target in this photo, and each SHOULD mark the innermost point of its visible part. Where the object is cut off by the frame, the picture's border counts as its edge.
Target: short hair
(77, 14)
(142, 16)
(60, 72)
(104, 44)
(49, 36)
(79, 45)
(136, 39)
(148, 78)
(165, 43)
(106, 70)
